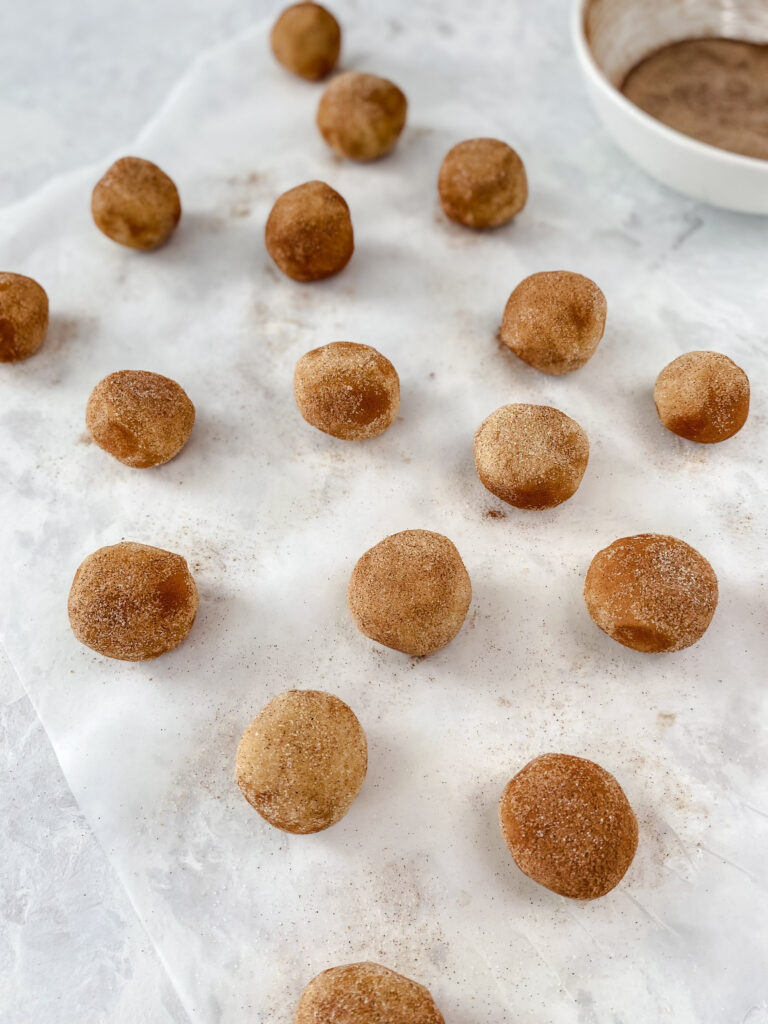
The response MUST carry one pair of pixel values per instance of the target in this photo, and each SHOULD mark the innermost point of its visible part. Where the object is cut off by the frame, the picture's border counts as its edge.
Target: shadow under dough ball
(132, 602)
(23, 317)
(365, 993)
(306, 39)
(136, 204)
(568, 825)
(302, 760)
(482, 183)
(554, 321)
(702, 396)
(361, 116)
(309, 232)
(531, 456)
(143, 419)
(651, 592)
(347, 390)
(410, 592)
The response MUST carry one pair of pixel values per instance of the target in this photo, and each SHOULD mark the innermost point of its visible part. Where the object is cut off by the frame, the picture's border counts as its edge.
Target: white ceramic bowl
(611, 36)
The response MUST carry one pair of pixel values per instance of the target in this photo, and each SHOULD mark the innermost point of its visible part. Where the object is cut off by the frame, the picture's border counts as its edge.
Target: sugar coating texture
(365, 993)
(410, 592)
(568, 825)
(143, 419)
(309, 232)
(136, 204)
(302, 760)
(482, 183)
(132, 601)
(531, 456)
(554, 321)
(702, 396)
(651, 592)
(23, 317)
(306, 39)
(361, 116)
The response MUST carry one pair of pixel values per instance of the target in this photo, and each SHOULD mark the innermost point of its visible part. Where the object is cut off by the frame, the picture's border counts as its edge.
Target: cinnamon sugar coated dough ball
(23, 317)
(531, 456)
(309, 232)
(136, 204)
(306, 39)
(410, 592)
(702, 396)
(141, 418)
(350, 391)
(361, 116)
(554, 321)
(365, 993)
(132, 601)
(651, 592)
(568, 825)
(482, 183)
(302, 760)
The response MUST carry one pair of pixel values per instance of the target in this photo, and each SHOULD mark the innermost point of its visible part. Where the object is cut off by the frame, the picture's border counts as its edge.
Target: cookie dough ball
(141, 418)
(568, 825)
(702, 396)
(365, 993)
(136, 204)
(132, 601)
(482, 183)
(23, 317)
(306, 39)
(309, 232)
(302, 760)
(531, 456)
(651, 592)
(410, 592)
(361, 116)
(554, 321)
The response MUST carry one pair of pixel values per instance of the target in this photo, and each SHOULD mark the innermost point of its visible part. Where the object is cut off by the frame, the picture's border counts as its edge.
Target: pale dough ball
(482, 183)
(365, 993)
(136, 204)
(361, 116)
(23, 317)
(702, 396)
(306, 39)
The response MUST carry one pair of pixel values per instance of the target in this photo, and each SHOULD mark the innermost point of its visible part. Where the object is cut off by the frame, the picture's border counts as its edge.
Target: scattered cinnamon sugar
(23, 317)
(494, 513)
(309, 232)
(702, 396)
(365, 993)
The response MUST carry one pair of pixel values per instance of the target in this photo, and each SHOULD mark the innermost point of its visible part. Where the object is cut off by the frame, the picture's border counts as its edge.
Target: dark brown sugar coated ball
(302, 760)
(361, 116)
(702, 396)
(651, 592)
(554, 321)
(365, 993)
(141, 418)
(531, 456)
(482, 183)
(309, 232)
(132, 601)
(568, 825)
(136, 204)
(23, 317)
(410, 592)
(306, 39)
(350, 391)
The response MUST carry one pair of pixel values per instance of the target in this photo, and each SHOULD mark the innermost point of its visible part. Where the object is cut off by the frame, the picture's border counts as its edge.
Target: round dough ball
(132, 601)
(651, 592)
(347, 390)
(531, 456)
(365, 993)
(141, 418)
(482, 183)
(554, 321)
(410, 592)
(568, 825)
(306, 39)
(136, 204)
(309, 232)
(361, 116)
(302, 760)
(23, 317)
(702, 396)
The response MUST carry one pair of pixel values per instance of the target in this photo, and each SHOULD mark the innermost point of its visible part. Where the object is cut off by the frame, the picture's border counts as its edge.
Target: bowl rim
(704, 149)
